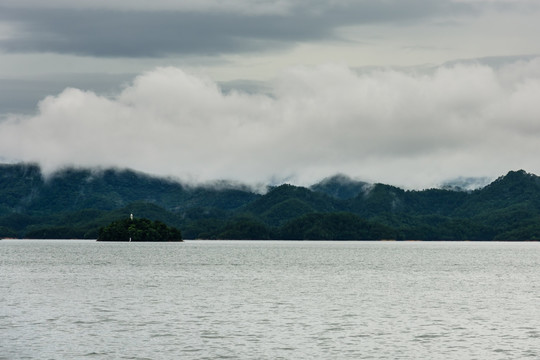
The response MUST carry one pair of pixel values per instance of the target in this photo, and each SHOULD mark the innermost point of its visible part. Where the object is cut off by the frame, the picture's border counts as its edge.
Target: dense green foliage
(138, 230)
(76, 203)
(334, 226)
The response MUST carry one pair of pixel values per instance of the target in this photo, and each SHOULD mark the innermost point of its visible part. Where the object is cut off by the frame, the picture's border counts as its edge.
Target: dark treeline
(138, 230)
(77, 203)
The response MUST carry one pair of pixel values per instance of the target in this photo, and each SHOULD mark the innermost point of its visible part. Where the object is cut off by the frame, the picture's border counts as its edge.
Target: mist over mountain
(466, 183)
(341, 187)
(75, 203)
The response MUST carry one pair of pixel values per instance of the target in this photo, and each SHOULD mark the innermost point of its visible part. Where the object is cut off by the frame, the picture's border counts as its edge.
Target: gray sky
(407, 92)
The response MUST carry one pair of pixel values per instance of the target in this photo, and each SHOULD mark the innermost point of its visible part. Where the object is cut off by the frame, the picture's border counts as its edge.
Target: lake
(269, 300)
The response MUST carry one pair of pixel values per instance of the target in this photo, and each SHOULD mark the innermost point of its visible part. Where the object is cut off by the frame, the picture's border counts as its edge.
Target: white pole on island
(131, 218)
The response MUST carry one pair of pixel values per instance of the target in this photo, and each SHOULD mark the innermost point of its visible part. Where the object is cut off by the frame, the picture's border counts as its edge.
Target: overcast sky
(406, 92)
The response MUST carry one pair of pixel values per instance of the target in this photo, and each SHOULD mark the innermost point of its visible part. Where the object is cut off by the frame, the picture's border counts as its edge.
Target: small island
(139, 230)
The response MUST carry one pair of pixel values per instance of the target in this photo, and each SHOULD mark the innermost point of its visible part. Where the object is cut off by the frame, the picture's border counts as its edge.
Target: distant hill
(341, 187)
(75, 203)
(23, 188)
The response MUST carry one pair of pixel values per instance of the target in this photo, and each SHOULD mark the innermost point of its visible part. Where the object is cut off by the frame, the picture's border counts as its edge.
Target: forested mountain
(75, 203)
(341, 187)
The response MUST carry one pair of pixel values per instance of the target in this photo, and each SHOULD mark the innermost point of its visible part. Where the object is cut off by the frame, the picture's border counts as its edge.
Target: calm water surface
(269, 300)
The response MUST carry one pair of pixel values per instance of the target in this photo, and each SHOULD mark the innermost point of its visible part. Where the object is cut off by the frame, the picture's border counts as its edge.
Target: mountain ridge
(75, 203)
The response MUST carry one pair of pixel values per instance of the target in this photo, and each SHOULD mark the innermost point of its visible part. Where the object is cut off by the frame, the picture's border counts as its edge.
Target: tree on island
(139, 230)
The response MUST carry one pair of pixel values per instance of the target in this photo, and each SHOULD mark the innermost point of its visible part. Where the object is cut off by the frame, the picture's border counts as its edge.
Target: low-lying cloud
(404, 128)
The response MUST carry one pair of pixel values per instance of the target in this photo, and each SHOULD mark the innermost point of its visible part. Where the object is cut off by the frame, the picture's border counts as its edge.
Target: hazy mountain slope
(23, 189)
(341, 187)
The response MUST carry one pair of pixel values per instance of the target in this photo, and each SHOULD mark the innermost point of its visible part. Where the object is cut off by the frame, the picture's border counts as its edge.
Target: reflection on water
(269, 300)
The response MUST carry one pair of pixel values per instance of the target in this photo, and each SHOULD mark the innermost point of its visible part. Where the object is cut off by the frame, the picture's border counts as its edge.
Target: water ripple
(269, 300)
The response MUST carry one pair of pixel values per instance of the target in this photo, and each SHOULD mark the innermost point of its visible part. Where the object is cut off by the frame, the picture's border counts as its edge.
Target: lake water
(269, 300)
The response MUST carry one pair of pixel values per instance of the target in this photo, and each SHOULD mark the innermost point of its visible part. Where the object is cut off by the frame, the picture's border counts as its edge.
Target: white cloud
(412, 130)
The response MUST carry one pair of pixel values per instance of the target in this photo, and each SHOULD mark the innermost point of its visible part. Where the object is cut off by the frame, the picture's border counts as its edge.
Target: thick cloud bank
(404, 128)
